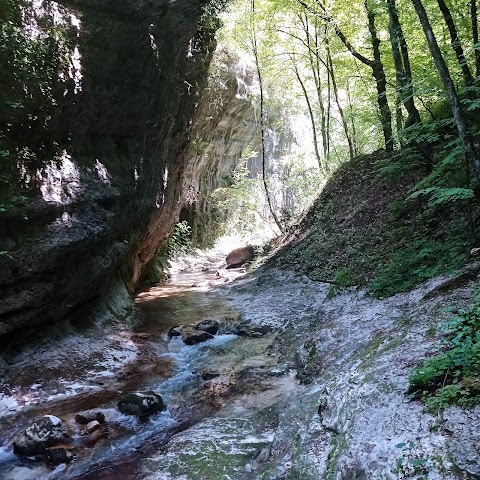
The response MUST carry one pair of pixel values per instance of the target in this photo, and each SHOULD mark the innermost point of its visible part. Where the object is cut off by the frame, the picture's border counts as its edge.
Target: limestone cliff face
(224, 129)
(94, 175)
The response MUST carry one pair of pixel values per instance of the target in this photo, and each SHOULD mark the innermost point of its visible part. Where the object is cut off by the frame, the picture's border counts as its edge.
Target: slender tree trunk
(337, 100)
(314, 61)
(321, 164)
(354, 129)
(476, 46)
(381, 81)
(329, 93)
(402, 64)
(452, 95)
(376, 65)
(262, 122)
(325, 133)
(456, 45)
(399, 115)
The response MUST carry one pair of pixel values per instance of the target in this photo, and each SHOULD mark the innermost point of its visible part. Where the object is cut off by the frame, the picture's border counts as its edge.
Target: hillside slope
(365, 230)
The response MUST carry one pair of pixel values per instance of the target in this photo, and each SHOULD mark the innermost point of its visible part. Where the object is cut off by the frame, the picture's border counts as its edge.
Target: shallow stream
(210, 389)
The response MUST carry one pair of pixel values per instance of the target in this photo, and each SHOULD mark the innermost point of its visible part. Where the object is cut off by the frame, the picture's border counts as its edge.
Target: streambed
(71, 368)
(313, 388)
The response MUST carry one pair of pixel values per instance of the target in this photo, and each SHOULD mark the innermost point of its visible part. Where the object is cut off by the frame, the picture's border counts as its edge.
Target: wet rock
(236, 258)
(208, 375)
(209, 326)
(83, 418)
(463, 427)
(252, 331)
(45, 432)
(91, 427)
(175, 331)
(95, 436)
(193, 336)
(141, 404)
(59, 454)
(260, 459)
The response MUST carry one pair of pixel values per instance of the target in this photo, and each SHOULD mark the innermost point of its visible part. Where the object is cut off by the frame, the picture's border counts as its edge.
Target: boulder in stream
(192, 336)
(90, 427)
(59, 454)
(48, 431)
(175, 331)
(141, 404)
(236, 258)
(83, 418)
(209, 326)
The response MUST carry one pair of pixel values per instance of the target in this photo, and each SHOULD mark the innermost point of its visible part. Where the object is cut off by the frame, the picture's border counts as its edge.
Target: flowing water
(207, 387)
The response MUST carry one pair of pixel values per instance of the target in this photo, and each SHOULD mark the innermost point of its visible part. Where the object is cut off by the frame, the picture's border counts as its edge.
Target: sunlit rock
(84, 418)
(141, 404)
(239, 256)
(209, 326)
(45, 432)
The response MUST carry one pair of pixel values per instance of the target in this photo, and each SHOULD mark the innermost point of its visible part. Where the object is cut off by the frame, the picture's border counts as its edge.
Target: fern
(439, 195)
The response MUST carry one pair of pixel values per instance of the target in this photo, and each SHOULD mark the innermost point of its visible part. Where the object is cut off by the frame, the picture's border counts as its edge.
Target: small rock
(175, 331)
(207, 375)
(192, 336)
(252, 331)
(141, 404)
(45, 432)
(260, 459)
(91, 427)
(89, 416)
(95, 436)
(59, 454)
(209, 326)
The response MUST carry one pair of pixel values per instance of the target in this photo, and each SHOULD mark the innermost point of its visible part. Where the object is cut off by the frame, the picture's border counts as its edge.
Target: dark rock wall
(96, 185)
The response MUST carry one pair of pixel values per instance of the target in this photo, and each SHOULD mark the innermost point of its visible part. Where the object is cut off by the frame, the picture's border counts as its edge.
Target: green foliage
(29, 77)
(345, 277)
(241, 200)
(420, 259)
(452, 377)
(410, 462)
(179, 241)
(439, 195)
(11, 202)
(406, 161)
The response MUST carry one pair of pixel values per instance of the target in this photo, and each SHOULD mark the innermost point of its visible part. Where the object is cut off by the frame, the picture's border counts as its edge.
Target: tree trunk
(402, 64)
(452, 95)
(312, 118)
(381, 81)
(376, 65)
(318, 84)
(337, 100)
(314, 61)
(262, 123)
(456, 45)
(476, 46)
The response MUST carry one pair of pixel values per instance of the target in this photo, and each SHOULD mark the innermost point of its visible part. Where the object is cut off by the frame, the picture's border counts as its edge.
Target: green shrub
(418, 261)
(452, 377)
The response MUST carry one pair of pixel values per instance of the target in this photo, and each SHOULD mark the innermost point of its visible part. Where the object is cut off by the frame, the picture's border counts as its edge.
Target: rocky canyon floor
(294, 385)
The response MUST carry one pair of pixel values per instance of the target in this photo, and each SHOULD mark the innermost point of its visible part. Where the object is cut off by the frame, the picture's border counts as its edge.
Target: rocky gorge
(213, 373)
(114, 149)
